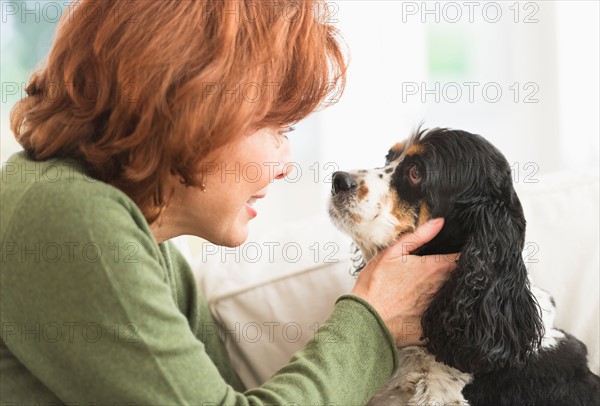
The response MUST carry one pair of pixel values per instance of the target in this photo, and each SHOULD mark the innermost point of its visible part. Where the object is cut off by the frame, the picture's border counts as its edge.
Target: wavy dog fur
(485, 316)
(490, 335)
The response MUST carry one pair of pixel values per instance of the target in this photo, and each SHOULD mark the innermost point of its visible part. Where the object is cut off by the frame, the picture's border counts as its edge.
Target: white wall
(578, 82)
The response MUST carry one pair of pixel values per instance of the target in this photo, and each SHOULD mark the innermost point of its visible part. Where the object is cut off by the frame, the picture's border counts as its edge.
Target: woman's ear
(485, 317)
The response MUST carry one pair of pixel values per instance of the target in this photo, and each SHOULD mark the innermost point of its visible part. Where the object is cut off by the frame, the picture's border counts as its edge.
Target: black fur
(484, 319)
(554, 377)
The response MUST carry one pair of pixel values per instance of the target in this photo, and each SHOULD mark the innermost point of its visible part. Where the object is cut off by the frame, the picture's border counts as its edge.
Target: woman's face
(237, 176)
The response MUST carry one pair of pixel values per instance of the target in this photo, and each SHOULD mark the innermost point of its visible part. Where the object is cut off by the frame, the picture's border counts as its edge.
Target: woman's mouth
(250, 203)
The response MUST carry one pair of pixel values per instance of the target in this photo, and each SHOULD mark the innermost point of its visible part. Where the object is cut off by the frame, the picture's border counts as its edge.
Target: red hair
(145, 90)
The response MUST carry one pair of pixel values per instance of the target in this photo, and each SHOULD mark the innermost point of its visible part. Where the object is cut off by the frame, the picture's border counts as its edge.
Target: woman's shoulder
(60, 192)
(66, 177)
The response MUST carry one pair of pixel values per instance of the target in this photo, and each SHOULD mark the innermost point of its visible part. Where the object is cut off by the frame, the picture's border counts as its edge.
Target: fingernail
(435, 222)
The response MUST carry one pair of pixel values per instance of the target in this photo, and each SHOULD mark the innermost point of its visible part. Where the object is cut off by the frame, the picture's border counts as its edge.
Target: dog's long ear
(484, 317)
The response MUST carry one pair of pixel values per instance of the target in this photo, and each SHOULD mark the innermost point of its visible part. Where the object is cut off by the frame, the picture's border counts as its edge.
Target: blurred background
(522, 74)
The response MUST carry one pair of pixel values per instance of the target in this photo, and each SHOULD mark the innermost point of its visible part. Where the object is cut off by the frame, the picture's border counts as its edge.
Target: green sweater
(94, 311)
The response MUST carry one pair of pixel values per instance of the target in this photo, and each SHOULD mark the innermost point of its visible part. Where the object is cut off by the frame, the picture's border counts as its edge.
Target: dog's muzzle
(342, 182)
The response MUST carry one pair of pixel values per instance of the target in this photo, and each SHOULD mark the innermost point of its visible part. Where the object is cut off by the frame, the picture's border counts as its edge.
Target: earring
(202, 185)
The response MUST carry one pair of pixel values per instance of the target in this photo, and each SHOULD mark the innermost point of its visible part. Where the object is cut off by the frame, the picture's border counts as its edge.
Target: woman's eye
(285, 130)
(414, 175)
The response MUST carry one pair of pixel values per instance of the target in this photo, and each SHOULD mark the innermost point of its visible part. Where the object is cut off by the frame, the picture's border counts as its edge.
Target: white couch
(272, 294)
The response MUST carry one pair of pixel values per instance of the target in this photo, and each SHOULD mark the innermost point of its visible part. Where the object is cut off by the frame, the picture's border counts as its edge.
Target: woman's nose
(286, 170)
(285, 165)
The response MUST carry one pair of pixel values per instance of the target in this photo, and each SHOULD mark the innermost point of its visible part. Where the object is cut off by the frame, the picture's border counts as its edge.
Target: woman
(135, 132)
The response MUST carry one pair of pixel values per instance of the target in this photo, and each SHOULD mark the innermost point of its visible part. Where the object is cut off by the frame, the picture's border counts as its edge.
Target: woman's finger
(446, 259)
(411, 241)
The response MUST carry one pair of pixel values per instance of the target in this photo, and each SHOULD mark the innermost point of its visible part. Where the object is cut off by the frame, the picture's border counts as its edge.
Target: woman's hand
(400, 286)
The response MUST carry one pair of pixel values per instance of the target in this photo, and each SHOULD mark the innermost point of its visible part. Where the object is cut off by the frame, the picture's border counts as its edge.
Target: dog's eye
(414, 175)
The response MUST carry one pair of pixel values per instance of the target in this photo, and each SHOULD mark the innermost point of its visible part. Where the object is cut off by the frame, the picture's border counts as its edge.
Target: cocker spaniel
(490, 338)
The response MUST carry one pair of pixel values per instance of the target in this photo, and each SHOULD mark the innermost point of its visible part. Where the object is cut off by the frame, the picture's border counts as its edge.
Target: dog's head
(484, 317)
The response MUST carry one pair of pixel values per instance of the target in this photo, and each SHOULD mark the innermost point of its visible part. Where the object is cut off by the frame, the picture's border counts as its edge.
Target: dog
(490, 335)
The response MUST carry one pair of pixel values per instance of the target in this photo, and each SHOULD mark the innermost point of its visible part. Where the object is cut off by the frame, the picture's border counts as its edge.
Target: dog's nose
(342, 182)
